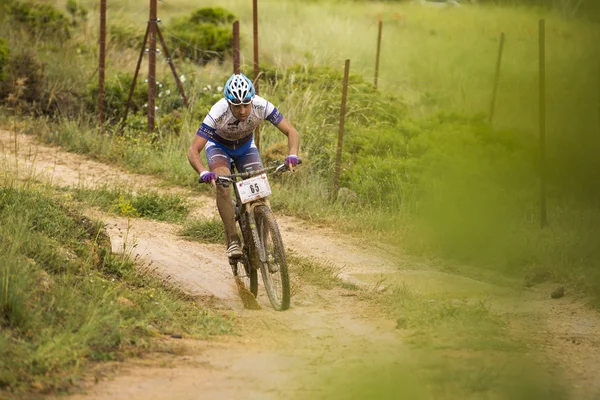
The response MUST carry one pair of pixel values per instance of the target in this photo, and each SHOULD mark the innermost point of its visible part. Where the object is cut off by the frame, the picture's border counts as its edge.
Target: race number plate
(254, 188)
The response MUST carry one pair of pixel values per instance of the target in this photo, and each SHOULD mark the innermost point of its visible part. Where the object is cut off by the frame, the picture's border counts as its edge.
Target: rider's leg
(218, 162)
(225, 207)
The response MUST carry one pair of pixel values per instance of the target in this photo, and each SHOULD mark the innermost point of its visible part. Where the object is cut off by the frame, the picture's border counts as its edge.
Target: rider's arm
(292, 134)
(194, 154)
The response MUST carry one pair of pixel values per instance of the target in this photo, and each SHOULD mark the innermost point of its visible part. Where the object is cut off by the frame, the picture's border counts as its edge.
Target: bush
(126, 36)
(77, 11)
(40, 19)
(3, 58)
(23, 87)
(116, 93)
(215, 15)
(204, 36)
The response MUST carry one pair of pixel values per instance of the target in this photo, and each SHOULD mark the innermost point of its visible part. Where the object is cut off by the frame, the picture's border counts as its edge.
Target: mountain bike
(262, 246)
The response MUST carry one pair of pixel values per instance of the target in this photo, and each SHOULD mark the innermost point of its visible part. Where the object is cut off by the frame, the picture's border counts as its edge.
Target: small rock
(176, 336)
(558, 293)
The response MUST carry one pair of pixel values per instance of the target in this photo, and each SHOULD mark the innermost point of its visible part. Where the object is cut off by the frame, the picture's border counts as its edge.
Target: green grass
(325, 276)
(455, 346)
(205, 230)
(66, 301)
(148, 204)
(424, 169)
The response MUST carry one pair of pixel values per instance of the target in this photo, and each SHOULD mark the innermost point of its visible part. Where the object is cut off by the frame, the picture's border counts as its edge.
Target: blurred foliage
(3, 58)
(203, 36)
(41, 20)
(77, 10)
(126, 36)
(23, 87)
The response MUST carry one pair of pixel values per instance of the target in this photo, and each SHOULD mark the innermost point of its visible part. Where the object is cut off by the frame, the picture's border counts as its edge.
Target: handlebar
(225, 180)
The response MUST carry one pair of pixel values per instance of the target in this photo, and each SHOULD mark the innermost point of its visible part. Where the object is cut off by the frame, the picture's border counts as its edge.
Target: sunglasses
(238, 102)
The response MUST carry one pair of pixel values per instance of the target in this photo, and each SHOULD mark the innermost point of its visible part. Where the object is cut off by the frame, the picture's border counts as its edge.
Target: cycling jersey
(222, 127)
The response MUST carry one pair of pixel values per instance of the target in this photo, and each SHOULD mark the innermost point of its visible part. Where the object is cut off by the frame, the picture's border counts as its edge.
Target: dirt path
(281, 353)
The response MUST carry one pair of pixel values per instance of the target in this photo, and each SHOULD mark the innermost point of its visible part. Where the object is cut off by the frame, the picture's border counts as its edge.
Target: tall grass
(447, 183)
(66, 301)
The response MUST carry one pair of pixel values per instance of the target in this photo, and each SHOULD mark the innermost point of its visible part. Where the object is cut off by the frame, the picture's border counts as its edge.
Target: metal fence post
(338, 159)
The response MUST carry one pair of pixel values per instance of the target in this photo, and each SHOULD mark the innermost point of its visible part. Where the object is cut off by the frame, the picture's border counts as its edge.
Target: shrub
(116, 93)
(204, 36)
(3, 58)
(215, 15)
(77, 11)
(23, 87)
(40, 19)
(126, 36)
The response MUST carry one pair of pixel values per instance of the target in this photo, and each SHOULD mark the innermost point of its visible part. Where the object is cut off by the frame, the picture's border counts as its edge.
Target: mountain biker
(227, 134)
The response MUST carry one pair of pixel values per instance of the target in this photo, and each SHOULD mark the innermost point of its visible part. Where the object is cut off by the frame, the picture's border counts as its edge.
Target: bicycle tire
(274, 271)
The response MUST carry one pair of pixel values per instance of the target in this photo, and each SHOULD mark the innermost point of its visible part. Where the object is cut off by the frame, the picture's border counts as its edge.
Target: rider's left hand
(291, 161)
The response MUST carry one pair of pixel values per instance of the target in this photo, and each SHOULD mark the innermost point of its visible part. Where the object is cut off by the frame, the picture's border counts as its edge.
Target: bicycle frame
(246, 211)
(263, 247)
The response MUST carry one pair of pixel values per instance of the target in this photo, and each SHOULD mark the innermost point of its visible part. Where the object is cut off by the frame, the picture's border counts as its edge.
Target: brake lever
(225, 182)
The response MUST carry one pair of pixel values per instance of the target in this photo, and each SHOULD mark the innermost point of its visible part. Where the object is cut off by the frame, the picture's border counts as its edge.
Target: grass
(204, 230)
(448, 185)
(466, 350)
(147, 204)
(457, 347)
(67, 302)
(325, 276)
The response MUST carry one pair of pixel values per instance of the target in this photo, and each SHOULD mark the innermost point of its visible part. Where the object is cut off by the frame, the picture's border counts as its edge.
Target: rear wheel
(274, 270)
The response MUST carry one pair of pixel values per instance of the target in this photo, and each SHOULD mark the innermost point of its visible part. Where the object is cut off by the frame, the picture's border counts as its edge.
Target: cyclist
(227, 135)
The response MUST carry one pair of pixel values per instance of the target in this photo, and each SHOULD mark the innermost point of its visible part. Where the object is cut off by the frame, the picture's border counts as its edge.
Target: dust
(246, 296)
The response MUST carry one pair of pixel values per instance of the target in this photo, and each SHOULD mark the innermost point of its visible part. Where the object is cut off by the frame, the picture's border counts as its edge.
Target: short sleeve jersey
(222, 127)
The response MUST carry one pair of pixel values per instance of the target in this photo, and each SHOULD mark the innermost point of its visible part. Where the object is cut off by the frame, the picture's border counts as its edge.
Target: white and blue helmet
(239, 89)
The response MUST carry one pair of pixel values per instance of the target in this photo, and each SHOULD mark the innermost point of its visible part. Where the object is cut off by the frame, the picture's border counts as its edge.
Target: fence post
(378, 51)
(255, 34)
(256, 72)
(497, 78)
(236, 47)
(542, 116)
(338, 158)
(152, 67)
(102, 63)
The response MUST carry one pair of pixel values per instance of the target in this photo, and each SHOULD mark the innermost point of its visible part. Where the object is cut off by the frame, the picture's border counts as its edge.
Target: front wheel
(274, 267)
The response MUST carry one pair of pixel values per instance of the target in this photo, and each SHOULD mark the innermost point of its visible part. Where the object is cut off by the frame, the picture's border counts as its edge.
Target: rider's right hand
(207, 177)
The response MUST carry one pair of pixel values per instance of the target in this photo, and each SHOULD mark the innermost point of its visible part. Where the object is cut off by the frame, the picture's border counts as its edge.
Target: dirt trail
(282, 353)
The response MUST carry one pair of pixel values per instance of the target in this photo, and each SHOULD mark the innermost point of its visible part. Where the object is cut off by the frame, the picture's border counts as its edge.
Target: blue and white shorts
(244, 157)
